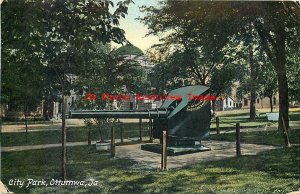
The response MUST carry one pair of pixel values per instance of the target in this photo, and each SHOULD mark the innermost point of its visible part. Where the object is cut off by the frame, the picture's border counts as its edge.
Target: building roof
(129, 49)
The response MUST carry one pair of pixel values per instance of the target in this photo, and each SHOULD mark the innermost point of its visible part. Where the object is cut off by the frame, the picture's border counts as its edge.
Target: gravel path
(219, 150)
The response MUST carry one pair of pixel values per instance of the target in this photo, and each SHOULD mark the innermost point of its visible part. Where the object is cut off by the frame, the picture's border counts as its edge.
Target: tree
(267, 82)
(223, 78)
(107, 73)
(293, 72)
(276, 23)
(22, 73)
(56, 28)
(197, 50)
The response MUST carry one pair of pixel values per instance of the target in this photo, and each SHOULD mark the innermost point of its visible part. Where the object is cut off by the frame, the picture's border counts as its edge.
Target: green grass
(294, 116)
(75, 134)
(275, 171)
(21, 121)
(229, 121)
(260, 137)
(131, 130)
(244, 120)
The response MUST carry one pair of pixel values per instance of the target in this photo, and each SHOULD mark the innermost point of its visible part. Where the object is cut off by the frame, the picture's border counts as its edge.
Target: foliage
(21, 73)
(60, 31)
(192, 49)
(107, 72)
(48, 37)
(293, 71)
(197, 24)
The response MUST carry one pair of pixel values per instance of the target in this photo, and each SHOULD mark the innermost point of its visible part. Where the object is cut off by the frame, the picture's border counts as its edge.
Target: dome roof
(129, 49)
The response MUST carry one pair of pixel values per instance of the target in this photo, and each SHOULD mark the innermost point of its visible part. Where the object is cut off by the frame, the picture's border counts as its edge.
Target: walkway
(53, 125)
(45, 146)
(219, 150)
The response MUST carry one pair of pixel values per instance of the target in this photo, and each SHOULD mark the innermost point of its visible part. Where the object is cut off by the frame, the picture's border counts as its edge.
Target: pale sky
(135, 31)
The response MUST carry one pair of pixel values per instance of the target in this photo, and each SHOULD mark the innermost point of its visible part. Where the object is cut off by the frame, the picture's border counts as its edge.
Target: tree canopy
(203, 28)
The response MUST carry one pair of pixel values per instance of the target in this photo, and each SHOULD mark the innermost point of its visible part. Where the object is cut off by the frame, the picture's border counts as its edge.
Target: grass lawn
(74, 134)
(131, 130)
(275, 171)
(260, 137)
(229, 120)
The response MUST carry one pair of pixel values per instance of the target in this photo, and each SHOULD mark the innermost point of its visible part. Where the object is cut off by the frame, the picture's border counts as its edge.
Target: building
(226, 103)
(233, 101)
(131, 52)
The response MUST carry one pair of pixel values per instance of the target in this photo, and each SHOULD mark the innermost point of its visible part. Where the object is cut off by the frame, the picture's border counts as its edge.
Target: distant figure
(212, 114)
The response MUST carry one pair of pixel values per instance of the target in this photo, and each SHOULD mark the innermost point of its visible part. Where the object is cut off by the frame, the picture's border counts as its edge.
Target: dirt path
(55, 125)
(45, 146)
(219, 150)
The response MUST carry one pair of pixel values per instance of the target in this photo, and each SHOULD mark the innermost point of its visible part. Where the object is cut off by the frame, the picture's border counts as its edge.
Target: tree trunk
(89, 137)
(26, 123)
(46, 110)
(100, 134)
(283, 121)
(271, 103)
(213, 106)
(278, 59)
(252, 84)
(63, 134)
(280, 66)
(252, 104)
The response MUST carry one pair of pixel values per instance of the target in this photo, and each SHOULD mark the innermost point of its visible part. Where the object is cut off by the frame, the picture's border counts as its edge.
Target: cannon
(185, 114)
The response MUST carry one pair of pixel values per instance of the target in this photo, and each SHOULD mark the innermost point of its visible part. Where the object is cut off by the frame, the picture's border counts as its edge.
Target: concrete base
(174, 151)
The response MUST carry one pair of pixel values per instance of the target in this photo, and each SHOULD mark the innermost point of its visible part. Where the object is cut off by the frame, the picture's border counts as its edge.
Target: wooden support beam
(122, 132)
(150, 131)
(140, 127)
(164, 150)
(112, 142)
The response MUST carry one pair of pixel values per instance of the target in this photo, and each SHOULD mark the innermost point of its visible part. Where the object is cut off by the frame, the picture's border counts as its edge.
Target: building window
(257, 101)
(274, 100)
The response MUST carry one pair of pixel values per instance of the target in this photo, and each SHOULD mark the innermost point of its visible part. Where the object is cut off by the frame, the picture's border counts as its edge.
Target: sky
(135, 31)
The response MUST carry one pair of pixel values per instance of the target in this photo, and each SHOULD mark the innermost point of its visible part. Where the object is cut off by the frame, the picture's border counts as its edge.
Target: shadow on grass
(260, 137)
(74, 134)
(265, 173)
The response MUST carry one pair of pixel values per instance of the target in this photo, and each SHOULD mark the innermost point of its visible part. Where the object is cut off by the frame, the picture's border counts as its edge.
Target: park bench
(272, 116)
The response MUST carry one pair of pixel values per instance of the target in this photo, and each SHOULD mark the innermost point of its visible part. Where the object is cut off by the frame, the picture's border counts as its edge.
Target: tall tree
(277, 24)
(55, 28)
(22, 72)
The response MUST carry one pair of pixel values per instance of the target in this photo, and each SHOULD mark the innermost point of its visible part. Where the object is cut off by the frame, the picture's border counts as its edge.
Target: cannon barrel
(153, 113)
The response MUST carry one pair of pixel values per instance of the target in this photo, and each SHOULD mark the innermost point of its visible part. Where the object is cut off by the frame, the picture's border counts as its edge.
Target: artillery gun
(185, 119)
